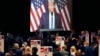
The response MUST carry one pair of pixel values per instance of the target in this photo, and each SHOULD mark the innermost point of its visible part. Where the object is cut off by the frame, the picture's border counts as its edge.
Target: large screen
(50, 15)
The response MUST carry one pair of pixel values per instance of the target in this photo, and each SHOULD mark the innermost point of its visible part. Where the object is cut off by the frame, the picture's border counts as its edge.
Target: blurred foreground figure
(34, 51)
(63, 52)
(87, 49)
(72, 51)
(57, 51)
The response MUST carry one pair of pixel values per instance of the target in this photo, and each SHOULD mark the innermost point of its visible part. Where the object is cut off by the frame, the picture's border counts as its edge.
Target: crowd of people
(74, 45)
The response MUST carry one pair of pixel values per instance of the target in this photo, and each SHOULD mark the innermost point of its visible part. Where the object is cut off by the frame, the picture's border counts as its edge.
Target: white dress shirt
(51, 21)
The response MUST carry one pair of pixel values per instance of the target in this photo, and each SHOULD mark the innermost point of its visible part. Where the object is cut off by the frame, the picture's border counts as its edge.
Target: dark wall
(86, 15)
(15, 15)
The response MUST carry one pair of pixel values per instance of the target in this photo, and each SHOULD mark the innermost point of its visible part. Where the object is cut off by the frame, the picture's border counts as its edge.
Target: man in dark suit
(50, 19)
(64, 52)
(87, 49)
(57, 51)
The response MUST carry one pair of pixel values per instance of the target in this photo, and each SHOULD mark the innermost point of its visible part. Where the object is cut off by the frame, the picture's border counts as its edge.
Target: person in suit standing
(87, 49)
(50, 19)
(64, 52)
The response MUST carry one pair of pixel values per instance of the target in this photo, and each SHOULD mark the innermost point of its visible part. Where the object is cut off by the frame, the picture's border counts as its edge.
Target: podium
(51, 29)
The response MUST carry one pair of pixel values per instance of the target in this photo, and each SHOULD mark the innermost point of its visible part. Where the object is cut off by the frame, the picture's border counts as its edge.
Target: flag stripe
(33, 18)
(38, 17)
(33, 22)
(43, 9)
(31, 26)
(35, 14)
(57, 10)
(64, 18)
(39, 13)
(63, 24)
(66, 9)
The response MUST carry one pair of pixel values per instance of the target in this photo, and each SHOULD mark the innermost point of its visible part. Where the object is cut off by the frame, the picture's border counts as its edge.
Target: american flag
(62, 9)
(37, 8)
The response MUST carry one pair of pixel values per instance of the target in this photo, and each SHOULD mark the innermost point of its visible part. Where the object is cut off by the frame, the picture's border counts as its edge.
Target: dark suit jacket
(44, 23)
(88, 51)
(57, 53)
(64, 53)
(2, 54)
